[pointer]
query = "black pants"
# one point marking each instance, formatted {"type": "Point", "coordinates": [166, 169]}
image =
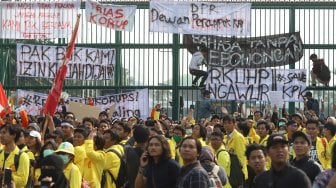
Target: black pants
{"type": "Point", "coordinates": [198, 74]}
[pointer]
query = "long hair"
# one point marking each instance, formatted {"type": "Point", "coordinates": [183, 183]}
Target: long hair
{"type": "Point", "coordinates": [166, 154]}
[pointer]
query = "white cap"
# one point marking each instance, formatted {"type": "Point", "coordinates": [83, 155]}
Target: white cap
{"type": "Point", "coordinates": [35, 134]}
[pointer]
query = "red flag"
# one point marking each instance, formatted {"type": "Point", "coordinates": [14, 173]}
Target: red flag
{"type": "Point", "coordinates": [4, 105]}
{"type": "Point", "coordinates": [56, 90]}
{"type": "Point", "coordinates": [71, 45]}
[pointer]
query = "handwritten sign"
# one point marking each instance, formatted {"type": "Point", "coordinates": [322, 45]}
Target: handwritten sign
{"type": "Point", "coordinates": [208, 18]}
{"type": "Point", "coordinates": [256, 84]}
{"type": "Point", "coordinates": [255, 52]}
{"type": "Point", "coordinates": [275, 98]}
{"type": "Point", "coordinates": [38, 20]}
{"type": "Point", "coordinates": [44, 61]}
{"type": "Point", "coordinates": [115, 17]}
{"type": "Point", "coordinates": [126, 105]}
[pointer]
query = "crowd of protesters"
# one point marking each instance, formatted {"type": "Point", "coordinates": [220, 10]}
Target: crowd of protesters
{"type": "Point", "coordinates": [274, 150]}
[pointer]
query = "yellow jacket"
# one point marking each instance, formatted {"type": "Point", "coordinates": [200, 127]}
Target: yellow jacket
{"type": "Point", "coordinates": [73, 175]}
{"type": "Point", "coordinates": [223, 160]}
{"type": "Point", "coordinates": [20, 175]}
{"type": "Point", "coordinates": [112, 164]}
{"type": "Point", "coordinates": [253, 134]}
{"type": "Point", "coordinates": [236, 145]}
{"type": "Point", "coordinates": [264, 143]}
{"type": "Point", "coordinates": [94, 170]}
{"type": "Point", "coordinates": [172, 146]}
{"type": "Point", "coordinates": [328, 152]}
{"type": "Point", "coordinates": [80, 156]}
{"type": "Point", "coordinates": [322, 153]}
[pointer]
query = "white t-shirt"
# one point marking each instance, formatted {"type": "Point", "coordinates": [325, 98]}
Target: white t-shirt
{"type": "Point", "coordinates": [196, 61]}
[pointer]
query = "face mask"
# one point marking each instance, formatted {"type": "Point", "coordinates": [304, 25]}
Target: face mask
{"type": "Point", "coordinates": [65, 158]}
{"type": "Point", "coordinates": [188, 131]}
{"type": "Point", "coordinates": [47, 152]}
{"type": "Point", "coordinates": [177, 138]}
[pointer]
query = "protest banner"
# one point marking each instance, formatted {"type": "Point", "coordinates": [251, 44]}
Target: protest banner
{"type": "Point", "coordinates": [117, 17]}
{"type": "Point", "coordinates": [82, 110]}
{"type": "Point", "coordinates": [255, 84]}
{"type": "Point", "coordinates": [126, 105]}
{"type": "Point", "coordinates": [38, 20]}
{"type": "Point", "coordinates": [33, 101]}
{"type": "Point", "coordinates": [44, 61]}
{"type": "Point", "coordinates": [292, 83]}
{"type": "Point", "coordinates": [275, 98]}
{"type": "Point", "coordinates": [253, 52]}
{"type": "Point", "coordinates": [208, 18]}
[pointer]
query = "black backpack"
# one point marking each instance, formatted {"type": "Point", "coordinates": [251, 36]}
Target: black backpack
{"type": "Point", "coordinates": [236, 177]}
{"type": "Point", "coordinates": [122, 180]}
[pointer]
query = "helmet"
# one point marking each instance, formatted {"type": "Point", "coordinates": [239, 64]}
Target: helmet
{"type": "Point", "coordinates": [66, 147]}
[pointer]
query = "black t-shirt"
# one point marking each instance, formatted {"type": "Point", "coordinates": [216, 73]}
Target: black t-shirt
{"type": "Point", "coordinates": [288, 177]}
{"type": "Point", "coordinates": [162, 175]}
{"type": "Point", "coordinates": [132, 162]}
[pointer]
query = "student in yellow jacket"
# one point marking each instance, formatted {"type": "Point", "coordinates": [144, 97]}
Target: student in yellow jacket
{"type": "Point", "coordinates": [199, 132]}
{"type": "Point", "coordinates": [80, 160]}
{"type": "Point", "coordinates": [263, 129]}
{"type": "Point", "coordinates": [94, 146]}
{"type": "Point", "coordinates": [329, 133]}
{"type": "Point", "coordinates": [222, 156]}
{"type": "Point", "coordinates": [235, 142]}
{"type": "Point", "coordinates": [178, 134]}
{"type": "Point", "coordinates": [319, 145]}
{"type": "Point", "coordinates": [8, 136]}
{"type": "Point", "coordinates": [72, 173]}
{"type": "Point", "coordinates": [123, 131]}
{"type": "Point", "coordinates": [112, 161]}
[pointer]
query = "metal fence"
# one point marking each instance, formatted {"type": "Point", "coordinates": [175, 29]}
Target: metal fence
{"type": "Point", "coordinates": [159, 61]}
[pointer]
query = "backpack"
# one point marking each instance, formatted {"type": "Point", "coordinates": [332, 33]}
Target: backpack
{"type": "Point", "coordinates": [30, 182]}
{"type": "Point", "coordinates": [214, 180]}
{"type": "Point", "coordinates": [122, 179]}
{"type": "Point", "coordinates": [236, 177]}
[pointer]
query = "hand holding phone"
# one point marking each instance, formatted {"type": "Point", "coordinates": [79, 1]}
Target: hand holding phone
{"type": "Point", "coordinates": [8, 177]}
{"type": "Point", "coordinates": [144, 159]}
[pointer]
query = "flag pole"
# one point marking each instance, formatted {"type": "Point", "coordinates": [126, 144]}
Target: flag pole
{"type": "Point", "coordinates": [55, 92]}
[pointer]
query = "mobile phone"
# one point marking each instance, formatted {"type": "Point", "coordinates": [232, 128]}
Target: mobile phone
{"type": "Point", "coordinates": [8, 177]}
{"type": "Point", "coordinates": [45, 184]}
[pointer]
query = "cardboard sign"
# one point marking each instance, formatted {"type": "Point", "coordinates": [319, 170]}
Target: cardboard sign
{"type": "Point", "coordinates": [82, 110]}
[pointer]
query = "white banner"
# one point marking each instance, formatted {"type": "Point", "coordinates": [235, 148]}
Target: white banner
{"type": "Point", "coordinates": [38, 20]}
{"type": "Point", "coordinates": [201, 18]}
{"type": "Point", "coordinates": [44, 61]}
{"type": "Point", "coordinates": [256, 84]}
{"type": "Point", "coordinates": [128, 104]}
{"type": "Point", "coordinates": [117, 17]}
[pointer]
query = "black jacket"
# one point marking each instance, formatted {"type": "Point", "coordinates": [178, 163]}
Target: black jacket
{"type": "Point", "coordinates": [288, 177]}
{"type": "Point", "coordinates": [309, 166]}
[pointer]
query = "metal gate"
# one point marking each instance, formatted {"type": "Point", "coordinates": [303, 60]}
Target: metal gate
{"type": "Point", "coordinates": [159, 61]}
